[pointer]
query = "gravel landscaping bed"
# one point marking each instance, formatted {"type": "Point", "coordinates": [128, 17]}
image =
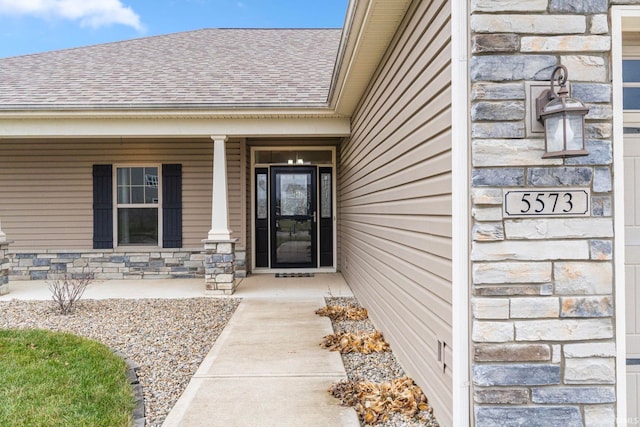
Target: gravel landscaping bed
{"type": "Point", "coordinates": [376, 367]}
{"type": "Point", "coordinates": [169, 338]}
{"type": "Point", "coordinates": [166, 338]}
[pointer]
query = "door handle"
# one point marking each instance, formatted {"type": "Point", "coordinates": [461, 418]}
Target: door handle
{"type": "Point", "coordinates": [314, 216]}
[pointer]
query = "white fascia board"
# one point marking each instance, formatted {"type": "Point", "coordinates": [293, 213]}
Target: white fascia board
{"type": "Point", "coordinates": [70, 127]}
{"type": "Point", "coordinates": [165, 112]}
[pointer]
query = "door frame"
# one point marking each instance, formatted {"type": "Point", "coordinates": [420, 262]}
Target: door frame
{"type": "Point", "coordinates": [254, 165]}
{"type": "Point", "coordinates": [312, 170]}
{"type": "Point", "coordinates": [618, 13]}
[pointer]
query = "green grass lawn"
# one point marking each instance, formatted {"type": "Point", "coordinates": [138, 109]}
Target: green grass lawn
{"type": "Point", "coordinates": [56, 379]}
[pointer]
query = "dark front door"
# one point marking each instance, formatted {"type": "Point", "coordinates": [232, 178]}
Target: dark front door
{"type": "Point", "coordinates": [293, 217]}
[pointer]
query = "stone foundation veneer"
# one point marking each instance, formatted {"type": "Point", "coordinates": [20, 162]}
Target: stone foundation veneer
{"type": "Point", "coordinates": [109, 264]}
{"type": "Point", "coordinates": [542, 294]}
{"type": "Point", "coordinates": [5, 267]}
{"type": "Point", "coordinates": [219, 267]}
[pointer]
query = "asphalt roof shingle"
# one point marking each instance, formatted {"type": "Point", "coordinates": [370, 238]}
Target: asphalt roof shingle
{"type": "Point", "coordinates": [220, 67]}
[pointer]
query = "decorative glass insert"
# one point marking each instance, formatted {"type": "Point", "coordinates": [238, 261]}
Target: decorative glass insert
{"type": "Point", "coordinates": [325, 195]}
{"type": "Point", "coordinates": [294, 194]}
{"type": "Point", "coordinates": [262, 204]}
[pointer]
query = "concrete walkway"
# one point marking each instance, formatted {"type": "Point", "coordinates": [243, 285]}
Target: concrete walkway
{"type": "Point", "coordinates": [266, 368]}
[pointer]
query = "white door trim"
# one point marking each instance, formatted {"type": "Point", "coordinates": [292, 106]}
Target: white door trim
{"type": "Point", "coordinates": [617, 15]}
{"type": "Point", "coordinates": [269, 270]}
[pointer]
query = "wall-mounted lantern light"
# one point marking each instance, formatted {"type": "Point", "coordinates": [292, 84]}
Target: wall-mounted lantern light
{"type": "Point", "coordinates": [562, 118]}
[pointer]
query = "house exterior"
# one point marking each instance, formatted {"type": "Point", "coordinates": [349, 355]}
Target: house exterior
{"type": "Point", "coordinates": [392, 151]}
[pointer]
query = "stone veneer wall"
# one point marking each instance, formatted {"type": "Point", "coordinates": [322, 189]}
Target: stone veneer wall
{"type": "Point", "coordinates": [156, 264]}
{"type": "Point", "coordinates": [542, 292]}
{"type": "Point", "coordinates": [5, 265]}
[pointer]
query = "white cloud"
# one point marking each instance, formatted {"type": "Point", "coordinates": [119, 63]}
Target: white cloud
{"type": "Point", "coordinates": [91, 13]}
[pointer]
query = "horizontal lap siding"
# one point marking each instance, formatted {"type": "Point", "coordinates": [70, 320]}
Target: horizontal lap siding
{"type": "Point", "coordinates": [234, 172]}
{"type": "Point", "coordinates": [395, 200]}
{"type": "Point", "coordinates": [46, 187]}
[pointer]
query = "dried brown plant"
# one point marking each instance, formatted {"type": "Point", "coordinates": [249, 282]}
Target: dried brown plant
{"type": "Point", "coordinates": [374, 402]}
{"type": "Point", "coordinates": [366, 343]}
{"type": "Point", "coordinates": [339, 312]}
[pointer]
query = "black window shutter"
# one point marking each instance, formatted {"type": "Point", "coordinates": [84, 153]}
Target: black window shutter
{"type": "Point", "coordinates": [102, 207]}
{"type": "Point", "coordinates": [172, 206]}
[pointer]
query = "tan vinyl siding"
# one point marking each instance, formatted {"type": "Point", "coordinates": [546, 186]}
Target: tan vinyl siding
{"type": "Point", "coordinates": [235, 194]}
{"type": "Point", "coordinates": [46, 187]}
{"type": "Point", "coordinates": [249, 206]}
{"type": "Point", "coordinates": [395, 200]}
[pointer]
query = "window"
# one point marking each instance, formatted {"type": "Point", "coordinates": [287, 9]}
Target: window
{"type": "Point", "coordinates": [137, 205]}
{"type": "Point", "coordinates": [136, 212]}
{"type": "Point", "coordinates": [631, 84]}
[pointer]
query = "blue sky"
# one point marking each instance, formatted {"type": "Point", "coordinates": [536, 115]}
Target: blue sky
{"type": "Point", "coordinates": [32, 26]}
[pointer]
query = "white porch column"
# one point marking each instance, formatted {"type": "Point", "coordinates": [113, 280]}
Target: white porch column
{"type": "Point", "coordinates": [219, 201]}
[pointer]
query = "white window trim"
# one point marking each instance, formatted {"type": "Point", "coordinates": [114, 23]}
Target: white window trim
{"type": "Point", "coordinates": [116, 205]}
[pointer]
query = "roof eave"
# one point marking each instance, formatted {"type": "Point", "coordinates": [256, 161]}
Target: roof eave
{"type": "Point", "coordinates": [369, 28]}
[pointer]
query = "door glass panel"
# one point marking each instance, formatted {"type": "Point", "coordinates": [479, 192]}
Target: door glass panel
{"type": "Point", "coordinates": [294, 194]}
{"type": "Point", "coordinates": [293, 241]}
{"type": "Point", "coordinates": [261, 189]}
{"type": "Point", "coordinates": [303, 157]}
{"type": "Point", "coordinates": [294, 218]}
{"type": "Point", "coordinates": [325, 195]}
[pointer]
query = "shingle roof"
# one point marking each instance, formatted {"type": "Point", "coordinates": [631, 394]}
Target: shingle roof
{"type": "Point", "coordinates": [210, 67]}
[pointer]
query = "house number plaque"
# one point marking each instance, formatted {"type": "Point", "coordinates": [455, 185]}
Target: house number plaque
{"type": "Point", "coordinates": [546, 203]}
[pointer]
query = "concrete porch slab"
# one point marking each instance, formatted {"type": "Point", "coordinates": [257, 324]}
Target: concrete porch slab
{"type": "Point", "coordinates": [254, 286]}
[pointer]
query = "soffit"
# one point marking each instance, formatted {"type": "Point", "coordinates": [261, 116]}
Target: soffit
{"type": "Point", "coordinates": [371, 25]}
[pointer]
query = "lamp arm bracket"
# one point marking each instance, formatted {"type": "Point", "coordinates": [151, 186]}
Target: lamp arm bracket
{"type": "Point", "coordinates": [559, 75]}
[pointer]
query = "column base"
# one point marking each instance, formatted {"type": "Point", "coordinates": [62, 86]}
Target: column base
{"type": "Point", "coordinates": [219, 267]}
{"type": "Point", "coordinates": [5, 266]}
{"type": "Point", "coordinates": [216, 289]}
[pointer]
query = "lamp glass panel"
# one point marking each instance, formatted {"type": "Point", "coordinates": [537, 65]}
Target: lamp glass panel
{"type": "Point", "coordinates": [574, 129]}
{"type": "Point", "coordinates": [554, 133]}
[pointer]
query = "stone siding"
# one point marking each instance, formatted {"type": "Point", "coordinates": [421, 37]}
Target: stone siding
{"type": "Point", "coordinates": [104, 265]}
{"type": "Point", "coordinates": [5, 266]}
{"type": "Point", "coordinates": [219, 267]}
{"type": "Point", "coordinates": [542, 291]}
